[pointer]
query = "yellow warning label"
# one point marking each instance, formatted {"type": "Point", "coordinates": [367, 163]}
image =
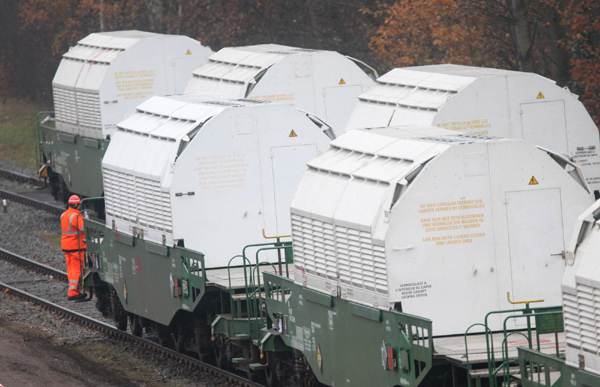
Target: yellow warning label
{"type": "Point", "coordinates": [319, 357]}
{"type": "Point", "coordinates": [342, 82]}
{"type": "Point", "coordinates": [533, 181]}
{"type": "Point", "coordinates": [293, 134]}
{"type": "Point", "coordinates": [540, 95]}
{"type": "Point", "coordinates": [188, 52]}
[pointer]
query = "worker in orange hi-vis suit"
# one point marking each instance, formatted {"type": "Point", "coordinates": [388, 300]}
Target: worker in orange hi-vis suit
{"type": "Point", "coordinates": [73, 244]}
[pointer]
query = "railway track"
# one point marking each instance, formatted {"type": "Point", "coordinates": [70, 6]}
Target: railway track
{"type": "Point", "coordinates": [33, 265]}
{"type": "Point", "coordinates": [78, 312]}
{"type": "Point", "coordinates": [20, 177]}
{"type": "Point", "coordinates": [32, 198]}
{"type": "Point", "coordinates": [83, 313]}
{"type": "Point", "coordinates": [31, 202]}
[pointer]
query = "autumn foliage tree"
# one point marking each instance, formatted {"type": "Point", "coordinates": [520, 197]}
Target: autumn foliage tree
{"type": "Point", "coordinates": [428, 32]}
{"type": "Point", "coordinates": [35, 33]}
{"type": "Point", "coordinates": [582, 23]}
{"type": "Point", "coordinates": [556, 38]}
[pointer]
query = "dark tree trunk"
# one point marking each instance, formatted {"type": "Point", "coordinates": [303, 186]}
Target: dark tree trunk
{"type": "Point", "coordinates": [522, 35]}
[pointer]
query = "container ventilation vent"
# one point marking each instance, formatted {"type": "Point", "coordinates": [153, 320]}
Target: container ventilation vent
{"type": "Point", "coordinates": [77, 108]}
{"type": "Point", "coordinates": [407, 96]}
{"type": "Point", "coordinates": [314, 246]}
{"type": "Point", "coordinates": [361, 263]}
{"type": "Point", "coordinates": [304, 50]}
{"type": "Point", "coordinates": [137, 200]}
{"type": "Point", "coordinates": [444, 140]}
{"type": "Point", "coordinates": [325, 250]}
{"type": "Point", "coordinates": [88, 110]}
{"type": "Point", "coordinates": [276, 52]}
{"type": "Point", "coordinates": [475, 136]}
{"type": "Point", "coordinates": [64, 105]}
{"type": "Point", "coordinates": [581, 313]}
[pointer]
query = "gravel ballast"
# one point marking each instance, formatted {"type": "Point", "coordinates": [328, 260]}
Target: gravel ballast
{"type": "Point", "coordinates": [36, 235]}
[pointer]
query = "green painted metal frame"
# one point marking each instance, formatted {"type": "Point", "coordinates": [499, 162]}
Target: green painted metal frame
{"type": "Point", "coordinates": [252, 324]}
{"type": "Point", "coordinates": [143, 273]}
{"type": "Point", "coordinates": [526, 313]}
{"type": "Point", "coordinates": [533, 364]}
{"type": "Point", "coordinates": [37, 135]}
{"type": "Point", "coordinates": [530, 360]}
{"type": "Point", "coordinates": [345, 343]}
{"type": "Point", "coordinates": [81, 157]}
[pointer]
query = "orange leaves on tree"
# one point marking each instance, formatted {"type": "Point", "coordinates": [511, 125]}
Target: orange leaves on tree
{"type": "Point", "coordinates": [426, 32]}
{"type": "Point", "coordinates": [582, 22]}
{"type": "Point", "coordinates": [559, 39]}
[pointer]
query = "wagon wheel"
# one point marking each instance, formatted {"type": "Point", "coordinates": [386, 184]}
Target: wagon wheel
{"type": "Point", "coordinates": [64, 190]}
{"type": "Point", "coordinates": [164, 336]}
{"type": "Point", "coordinates": [135, 325]}
{"type": "Point", "coordinates": [220, 356]}
{"type": "Point", "coordinates": [202, 336]}
{"type": "Point", "coordinates": [274, 372]}
{"type": "Point", "coordinates": [103, 303]}
{"type": "Point", "coordinates": [54, 185]}
{"type": "Point", "coordinates": [119, 314]}
{"type": "Point", "coordinates": [179, 337]}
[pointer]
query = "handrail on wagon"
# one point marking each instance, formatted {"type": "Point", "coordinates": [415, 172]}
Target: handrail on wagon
{"type": "Point", "coordinates": [37, 135]}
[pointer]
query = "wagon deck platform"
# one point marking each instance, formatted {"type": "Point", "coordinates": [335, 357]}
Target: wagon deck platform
{"type": "Point", "coordinates": [220, 277]}
{"type": "Point", "coordinates": [452, 350]}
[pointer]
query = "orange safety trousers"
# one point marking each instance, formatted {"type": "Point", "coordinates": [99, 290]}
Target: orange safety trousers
{"type": "Point", "coordinates": [74, 265]}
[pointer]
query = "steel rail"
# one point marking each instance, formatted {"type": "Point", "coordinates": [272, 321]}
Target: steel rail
{"type": "Point", "coordinates": [122, 335]}
{"type": "Point", "coordinates": [30, 202]}
{"type": "Point", "coordinates": [101, 326]}
{"type": "Point", "coordinates": [29, 264]}
{"type": "Point", "coordinates": [20, 177]}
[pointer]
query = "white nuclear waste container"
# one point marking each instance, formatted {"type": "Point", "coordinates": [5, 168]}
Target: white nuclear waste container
{"type": "Point", "coordinates": [208, 171]}
{"type": "Point", "coordinates": [438, 223]}
{"type": "Point", "coordinates": [485, 101]}
{"type": "Point", "coordinates": [581, 286]}
{"type": "Point", "coordinates": [102, 78]}
{"type": "Point", "coordinates": [323, 83]}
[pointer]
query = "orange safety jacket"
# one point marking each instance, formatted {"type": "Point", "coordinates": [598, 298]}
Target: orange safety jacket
{"type": "Point", "coordinates": [73, 236]}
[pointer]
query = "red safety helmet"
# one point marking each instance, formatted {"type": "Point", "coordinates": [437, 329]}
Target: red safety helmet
{"type": "Point", "coordinates": [74, 199]}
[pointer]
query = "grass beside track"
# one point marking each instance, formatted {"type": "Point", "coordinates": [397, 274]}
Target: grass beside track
{"type": "Point", "coordinates": [51, 239]}
{"type": "Point", "coordinates": [17, 120]}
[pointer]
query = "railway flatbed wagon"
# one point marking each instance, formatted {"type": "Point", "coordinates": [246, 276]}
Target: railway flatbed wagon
{"type": "Point", "coordinates": [415, 218]}
{"type": "Point", "coordinates": [394, 230]}
{"type": "Point", "coordinates": [189, 180]}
